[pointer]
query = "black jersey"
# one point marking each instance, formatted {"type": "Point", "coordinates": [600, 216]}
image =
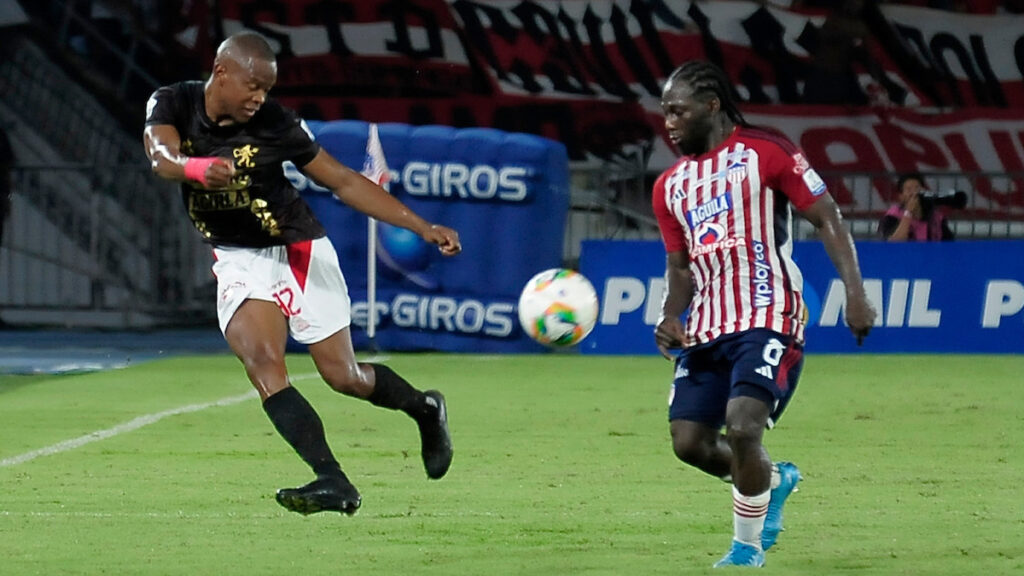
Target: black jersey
{"type": "Point", "coordinates": [260, 207]}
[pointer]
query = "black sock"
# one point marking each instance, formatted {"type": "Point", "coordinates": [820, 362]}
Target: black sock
{"type": "Point", "coordinates": [392, 391]}
{"type": "Point", "coordinates": [299, 424]}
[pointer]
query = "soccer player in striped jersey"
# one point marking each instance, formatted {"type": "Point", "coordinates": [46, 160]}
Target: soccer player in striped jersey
{"type": "Point", "coordinates": [725, 214]}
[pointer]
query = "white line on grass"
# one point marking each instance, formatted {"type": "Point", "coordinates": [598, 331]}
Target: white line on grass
{"type": "Point", "coordinates": [183, 514]}
{"type": "Point", "coordinates": [131, 425]}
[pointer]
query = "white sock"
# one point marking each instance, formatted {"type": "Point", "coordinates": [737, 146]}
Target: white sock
{"type": "Point", "coordinates": [776, 477]}
{"type": "Point", "coordinates": [748, 514]}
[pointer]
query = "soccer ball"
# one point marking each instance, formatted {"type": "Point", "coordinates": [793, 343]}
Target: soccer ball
{"type": "Point", "coordinates": [558, 307]}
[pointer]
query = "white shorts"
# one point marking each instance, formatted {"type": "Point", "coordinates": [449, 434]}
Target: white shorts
{"type": "Point", "coordinates": [303, 279]}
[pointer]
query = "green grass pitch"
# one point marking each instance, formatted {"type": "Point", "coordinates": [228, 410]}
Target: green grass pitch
{"type": "Point", "coordinates": [912, 465]}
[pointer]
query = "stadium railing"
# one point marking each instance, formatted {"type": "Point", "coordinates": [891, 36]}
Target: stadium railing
{"type": "Point", "coordinates": [610, 203]}
{"type": "Point", "coordinates": [79, 251]}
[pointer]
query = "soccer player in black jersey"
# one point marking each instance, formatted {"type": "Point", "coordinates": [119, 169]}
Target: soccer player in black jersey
{"type": "Point", "coordinates": [277, 272]}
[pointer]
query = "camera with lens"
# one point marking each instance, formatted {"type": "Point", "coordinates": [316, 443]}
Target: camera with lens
{"type": "Point", "coordinates": [956, 199]}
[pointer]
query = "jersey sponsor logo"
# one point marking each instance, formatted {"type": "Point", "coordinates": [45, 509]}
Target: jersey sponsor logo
{"type": "Point", "coordinates": [762, 277]}
{"type": "Point", "coordinates": [215, 200]}
{"type": "Point", "coordinates": [709, 210]}
{"type": "Point", "coordinates": [814, 182]}
{"type": "Point", "coordinates": [765, 371]}
{"type": "Point", "coordinates": [710, 238]}
{"type": "Point", "coordinates": [707, 233]}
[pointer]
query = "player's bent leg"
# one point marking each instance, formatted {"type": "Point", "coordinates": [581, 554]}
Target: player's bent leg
{"type": "Point", "coordinates": [335, 360]}
{"type": "Point", "coordinates": [751, 473]}
{"type": "Point", "coordinates": [257, 333]}
{"type": "Point", "coordinates": [745, 421]}
{"type": "Point", "coordinates": [701, 446]}
{"type": "Point", "coordinates": [380, 385]}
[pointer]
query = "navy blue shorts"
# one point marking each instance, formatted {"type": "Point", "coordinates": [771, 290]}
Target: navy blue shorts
{"type": "Point", "coordinates": [759, 363]}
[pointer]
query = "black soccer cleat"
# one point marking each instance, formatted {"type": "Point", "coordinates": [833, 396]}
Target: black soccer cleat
{"type": "Point", "coordinates": [435, 439]}
{"type": "Point", "coordinates": [330, 493]}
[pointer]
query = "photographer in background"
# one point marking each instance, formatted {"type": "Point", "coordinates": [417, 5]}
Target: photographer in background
{"type": "Point", "coordinates": [915, 218]}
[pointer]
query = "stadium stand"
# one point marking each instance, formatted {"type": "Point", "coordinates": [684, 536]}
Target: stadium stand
{"type": "Point", "coordinates": [97, 241]}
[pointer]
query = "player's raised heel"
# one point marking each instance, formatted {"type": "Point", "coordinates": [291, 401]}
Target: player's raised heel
{"type": "Point", "coordinates": [741, 554]}
{"type": "Point", "coordinates": [789, 476]}
{"type": "Point", "coordinates": [332, 493]}
{"type": "Point", "coordinates": [435, 439]}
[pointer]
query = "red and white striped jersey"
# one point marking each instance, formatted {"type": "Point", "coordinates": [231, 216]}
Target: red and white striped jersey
{"type": "Point", "coordinates": [730, 210]}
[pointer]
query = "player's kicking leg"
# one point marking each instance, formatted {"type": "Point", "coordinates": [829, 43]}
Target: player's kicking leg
{"type": "Point", "coordinates": [257, 334]}
{"type": "Point", "coordinates": [435, 440]}
{"type": "Point", "coordinates": [382, 386]}
{"type": "Point", "coordinates": [428, 409]}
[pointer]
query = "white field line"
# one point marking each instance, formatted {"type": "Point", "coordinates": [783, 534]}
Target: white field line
{"type": "Point", "coordinates": [256, 515]}
{"type": "Point", "coordinates": [132, 425]}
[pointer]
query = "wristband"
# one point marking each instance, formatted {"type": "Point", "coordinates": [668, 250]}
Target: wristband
{"type": "Point", "coordinates": [908, 214]}
{"type": "Point", "coordinates": [195, 168]}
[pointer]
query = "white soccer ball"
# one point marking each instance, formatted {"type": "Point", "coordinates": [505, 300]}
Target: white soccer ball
{"type": "Point", "coordinates": [558, 307]}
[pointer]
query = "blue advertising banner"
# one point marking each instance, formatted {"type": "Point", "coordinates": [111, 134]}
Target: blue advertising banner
{"type": "Point", "coordinates": [506, 194]}
{"type": "Point", "coordinates": [940, 297]}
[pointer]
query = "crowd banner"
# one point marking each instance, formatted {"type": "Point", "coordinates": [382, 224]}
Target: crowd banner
{"type": "Point", "coordinates": [965, 297]}
{"type": "Point", "coordinates": [506, 194]}
{"type": "Point", "coordinates": [588, 73]}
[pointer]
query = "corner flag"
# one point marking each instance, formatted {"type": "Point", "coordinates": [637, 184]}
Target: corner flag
{"type": "Point", "coordinates": [375, 168]}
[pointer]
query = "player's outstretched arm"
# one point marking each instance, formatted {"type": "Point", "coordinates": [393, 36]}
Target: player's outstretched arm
{"type": "Point", "coordinates": [163, 147]}
{"type": "Point", "coordinates": [358, 192]}
{"type": "Point", "coordinates": [668, 334]}
{"type": "Point", "coordinates": [824, 215]}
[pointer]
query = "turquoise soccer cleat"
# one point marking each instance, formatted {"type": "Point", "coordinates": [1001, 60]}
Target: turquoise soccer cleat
{"type": "Point", "coordinates": [742, 555]}
{"type": "Point", "coordinates": [790, 476]}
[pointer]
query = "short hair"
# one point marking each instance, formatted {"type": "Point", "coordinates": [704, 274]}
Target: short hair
{"type": "Point", "coordinates": [904, 178]}
{"type": "Point", "coordinates": [246, 43]}
{"type": "Point", "coordinates": [704, 77]}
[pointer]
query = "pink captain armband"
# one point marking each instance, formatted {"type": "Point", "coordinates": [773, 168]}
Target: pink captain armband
{"type": "Point", "coordinates": [195, 168]}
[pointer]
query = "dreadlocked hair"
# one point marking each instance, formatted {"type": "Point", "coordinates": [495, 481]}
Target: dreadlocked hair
{"type": "Point", "coordinates": [704, 77]}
